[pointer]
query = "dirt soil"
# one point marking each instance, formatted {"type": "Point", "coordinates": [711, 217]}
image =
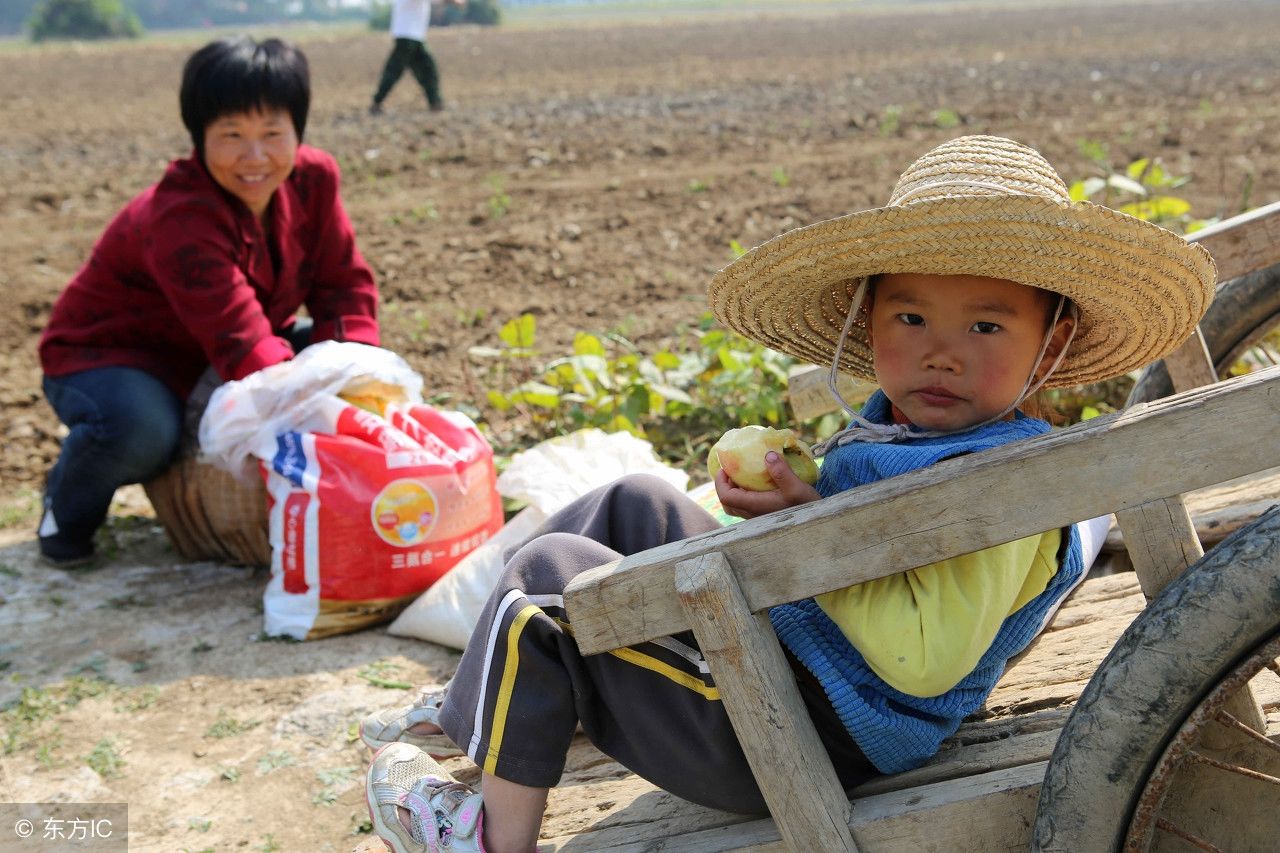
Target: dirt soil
{"type": "Point", "coordinates": [591, 175]}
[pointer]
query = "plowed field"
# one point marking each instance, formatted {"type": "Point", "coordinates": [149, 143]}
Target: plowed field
{"type": "Point", "coordinates": [593, 175]}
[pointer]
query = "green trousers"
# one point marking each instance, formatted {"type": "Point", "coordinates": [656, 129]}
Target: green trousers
{"type": "Point", "coordinates": [412, 54]}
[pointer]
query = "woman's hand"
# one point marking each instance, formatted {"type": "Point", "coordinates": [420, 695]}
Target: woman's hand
{"type": "Point", "coordinates": [744, 503]}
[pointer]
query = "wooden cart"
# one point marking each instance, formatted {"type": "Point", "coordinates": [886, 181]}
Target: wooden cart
{"type": "Point", "coordinates": [1165, 745]}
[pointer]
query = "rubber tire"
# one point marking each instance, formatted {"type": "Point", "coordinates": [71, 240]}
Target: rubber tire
{"type": "Point", "coordinates": [1187, 640]}
{"type": "Point", "coordinates": [1240, 309]}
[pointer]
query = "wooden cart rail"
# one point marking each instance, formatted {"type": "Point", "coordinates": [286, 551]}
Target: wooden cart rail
{"type": "Point", "coordinates": [1119, 461]}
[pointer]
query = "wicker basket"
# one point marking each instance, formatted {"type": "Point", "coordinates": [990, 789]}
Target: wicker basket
{"type": "Point", "coordinates": [210, 515]}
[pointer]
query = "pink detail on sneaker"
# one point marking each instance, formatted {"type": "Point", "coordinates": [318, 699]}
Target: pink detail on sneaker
{"type": "Point", "coordinates": [480, 830]}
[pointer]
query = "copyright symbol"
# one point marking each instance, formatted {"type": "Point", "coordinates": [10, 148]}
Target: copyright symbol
{"type": "Point", "coordinates": [23, 828]}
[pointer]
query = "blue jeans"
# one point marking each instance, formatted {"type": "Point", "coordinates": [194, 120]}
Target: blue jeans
{"type": "Point", "coordinates": [125, 427]}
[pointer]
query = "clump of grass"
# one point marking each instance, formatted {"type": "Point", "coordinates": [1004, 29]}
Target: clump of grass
{"type": "Point", "coordinates": [20, 718]}
{"type": "Point", "coordinates": [274, 760]}
{"type": "Point", "coordinates": [228, 726]}
{"type": "Point", "coordinates": [105, 759]}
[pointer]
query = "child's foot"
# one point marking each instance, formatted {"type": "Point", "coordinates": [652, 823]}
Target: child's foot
{"type": "Point", "coordinates": [417, 724]}
{"type": "Point", "coordinates": [417, 807]}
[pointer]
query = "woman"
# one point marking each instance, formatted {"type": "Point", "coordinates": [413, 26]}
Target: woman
{"type": "Point", "coordinates": [205, 268]}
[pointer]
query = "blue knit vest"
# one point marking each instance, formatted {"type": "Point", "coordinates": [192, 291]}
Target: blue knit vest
{"type": "Point", "coordinates": [895, 730]}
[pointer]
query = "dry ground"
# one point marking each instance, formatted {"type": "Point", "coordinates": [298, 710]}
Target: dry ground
{"type": "Point", "coordinates": [629, 156]}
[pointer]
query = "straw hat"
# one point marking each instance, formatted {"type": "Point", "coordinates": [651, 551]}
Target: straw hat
{"type": "Point", "coordinates": [977, 205]}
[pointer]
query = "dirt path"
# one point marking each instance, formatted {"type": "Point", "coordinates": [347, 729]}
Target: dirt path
{"type": "Point", "coordinates": [629, 157]}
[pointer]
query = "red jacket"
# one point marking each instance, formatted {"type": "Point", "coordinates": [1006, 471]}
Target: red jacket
{"type": "Point", "coordinates": [183, 278]}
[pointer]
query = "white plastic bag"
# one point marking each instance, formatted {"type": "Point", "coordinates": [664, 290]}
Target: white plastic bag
{"type": "Point", "coordinates": [244, 417]}
{"type": "Point", "coordinates": [546, 477]}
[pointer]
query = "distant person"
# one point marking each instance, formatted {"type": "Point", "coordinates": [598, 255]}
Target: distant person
{"type": "Point", "coordinates": [205, 268]}
{"type": "Point", "coordinates": [409, 22]}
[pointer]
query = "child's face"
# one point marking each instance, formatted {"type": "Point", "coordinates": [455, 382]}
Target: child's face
{"type": "Point", "coordinates": [952, 351]}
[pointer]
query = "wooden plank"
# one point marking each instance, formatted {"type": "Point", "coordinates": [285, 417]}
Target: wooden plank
{"type": "Point", "coordinates": [810, 397]}
{"type": "Point", "coordinates": [954, 507]}
{"type": "Point", "coordinates": [1162, 541]}
{"type": "Point", "coordinates": [987, 813]}
{"type": "Point", "coordinates": [1221, 509]}
{"type": "Point", "coordinates": [1243, 243]}
{"type": "Point", "coordinates": [759, 693]}
{"type": "Point", "coordinates": [1190, 365]}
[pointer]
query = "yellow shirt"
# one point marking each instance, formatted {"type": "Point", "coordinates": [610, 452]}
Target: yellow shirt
{"type": "Point", "coordinates": [925, 629]}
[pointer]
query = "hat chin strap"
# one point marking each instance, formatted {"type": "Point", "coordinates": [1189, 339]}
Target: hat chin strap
{"type": "Point", "coordinates": [864, 430]}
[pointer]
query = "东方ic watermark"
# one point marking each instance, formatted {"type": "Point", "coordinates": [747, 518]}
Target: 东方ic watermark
{"type": "Point", "coordinates": [64, 827]}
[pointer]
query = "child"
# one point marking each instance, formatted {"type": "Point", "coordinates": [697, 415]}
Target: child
{"type": "Point", "coordinates": [979, 282]}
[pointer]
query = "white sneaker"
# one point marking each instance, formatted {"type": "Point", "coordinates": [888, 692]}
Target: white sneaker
{"type": "Point", "coordinates": [445, 816]}
{"type": "Point", "coordinates": [392, 726]}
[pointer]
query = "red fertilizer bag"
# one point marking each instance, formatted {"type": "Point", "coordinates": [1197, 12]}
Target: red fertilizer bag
{"type": "Point", "coordinates": [366, 507]}
{"type": "Point", "coordinates": [362, 520]}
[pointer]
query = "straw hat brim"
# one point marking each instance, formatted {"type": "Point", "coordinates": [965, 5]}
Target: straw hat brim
{"type": "Point", "coordinates": [1140, 288]}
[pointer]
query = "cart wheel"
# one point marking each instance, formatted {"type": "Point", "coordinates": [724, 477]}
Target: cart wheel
{"type": "Point", "coordinates": [1243, 312]}
{"type": "Point", "coordinates": [1140, 761]}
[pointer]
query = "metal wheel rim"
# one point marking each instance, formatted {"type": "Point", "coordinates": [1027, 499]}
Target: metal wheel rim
{"type": "Point", "coordinates": [1252, 342]}
{"type": "Point", "coordinates": [1146, 817]}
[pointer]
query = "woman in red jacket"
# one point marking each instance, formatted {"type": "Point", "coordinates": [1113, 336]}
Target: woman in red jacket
{"type": "Point", "coordinates": [208, 267]}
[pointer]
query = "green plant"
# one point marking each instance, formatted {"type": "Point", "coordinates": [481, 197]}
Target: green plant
{"type": "Point", "coordinates": [22, 507]}
{"type": "Point", "coordinates": [680, 398]}
{"type": "Point", "coordinates": [698, 186]}
{"type": "Point", "coordinates": [83, 19]}
{"type": "Point", "coordinates": [499, 201]}
{"type": "Point", "coordinates": [890, 120]}
{"type": "Point", "coordinates": [946, 119]}
{"type": "Point", "coordinates": [22, 716]}
{"type": "Point", "coordinates": [780, 177]}
{"type": "Point", "coordinates": [334, 780]}
{"type": "Point", "coordinates": [1141, 189]}
{"type": "Point", "coordinates": [45, 752]}
{"type": "Point", "coordinates": [105, 759]}
{"type": "Point", "coordinates": [274, 760]}
{"type": "Point", "coordinates": [140, 699]}
{"type": "Point", "coordinates": [378, 672]}
{"type": "Point", "coordinates": [200, 824]}
{"type": "Point", "coordinates": [228, 726]}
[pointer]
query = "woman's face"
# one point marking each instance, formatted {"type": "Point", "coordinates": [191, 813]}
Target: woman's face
{"type": "Point", "coordinates": [250, 154]}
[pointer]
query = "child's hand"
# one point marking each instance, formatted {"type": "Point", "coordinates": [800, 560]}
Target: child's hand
{"type": "Point", "coordinates": [744, 503]}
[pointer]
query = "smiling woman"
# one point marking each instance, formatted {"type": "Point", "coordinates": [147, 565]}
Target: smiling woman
{"type": "Point", "coordinates": [250, 155]}
{"type": "Point", "coordinates": [204, 269]}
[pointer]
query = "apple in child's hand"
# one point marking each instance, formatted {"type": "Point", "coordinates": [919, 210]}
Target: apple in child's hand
{"type": "Point", "coordinates": [741, 452]}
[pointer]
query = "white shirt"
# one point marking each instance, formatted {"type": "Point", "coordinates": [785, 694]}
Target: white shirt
{"type": "Point", "coordinates": [409, 19]}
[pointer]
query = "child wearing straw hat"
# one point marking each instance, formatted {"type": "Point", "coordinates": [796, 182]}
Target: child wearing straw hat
{"type": "Point", "coordinates": [978, 283]}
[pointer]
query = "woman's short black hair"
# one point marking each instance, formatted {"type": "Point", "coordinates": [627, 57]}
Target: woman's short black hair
{"type": "Point", "coordinates": [239, 74]}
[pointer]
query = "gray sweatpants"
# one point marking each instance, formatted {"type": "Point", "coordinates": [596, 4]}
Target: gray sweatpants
{"type": "Point", "coordinates": [522, 687]}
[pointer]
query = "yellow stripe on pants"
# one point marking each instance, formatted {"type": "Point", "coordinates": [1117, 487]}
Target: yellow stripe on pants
{"type": "Point", "coordinates": [508, 682]}
{"type": "Point", "coordinates": [668, 671]}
